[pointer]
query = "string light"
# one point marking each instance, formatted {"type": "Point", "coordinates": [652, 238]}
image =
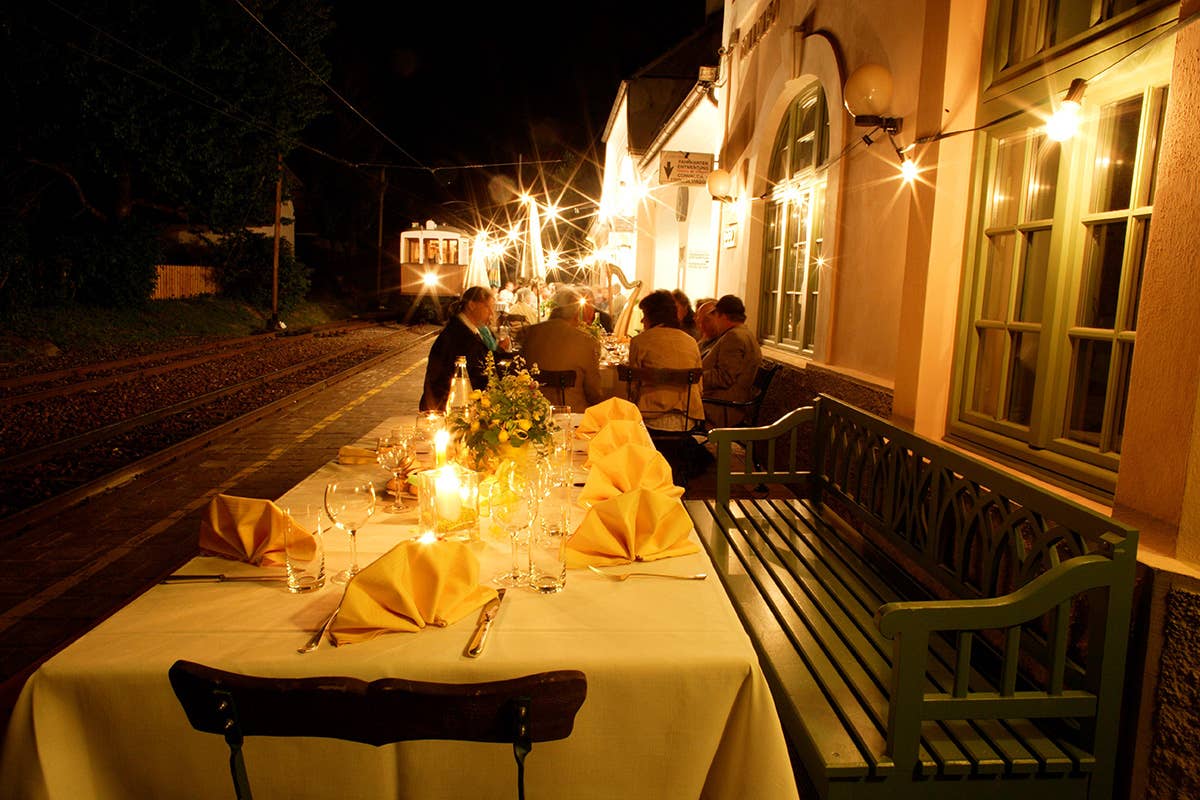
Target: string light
{"type": "Point", "coordinates": [1064, 122]}
{"type": "Point", "coordinates": [908, 170]}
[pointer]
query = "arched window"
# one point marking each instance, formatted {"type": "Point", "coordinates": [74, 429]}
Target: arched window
{"type": "Point", "coordinates": [792, 253]}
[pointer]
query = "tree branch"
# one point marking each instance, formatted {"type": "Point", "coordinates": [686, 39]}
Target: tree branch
{"type": "Point", "coordinates": [61, 170]}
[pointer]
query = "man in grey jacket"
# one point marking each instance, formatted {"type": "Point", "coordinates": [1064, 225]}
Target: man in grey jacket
{"type": "Point", "coordinates": [559, 344]}
{"type": "Point", "coordinates": [732, 361]}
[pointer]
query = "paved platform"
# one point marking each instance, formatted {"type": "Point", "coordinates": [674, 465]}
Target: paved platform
{"type": "Point", "coordinates": [62, 577]}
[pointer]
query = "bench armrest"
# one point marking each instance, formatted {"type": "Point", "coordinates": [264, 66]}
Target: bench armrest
{"type": "Point", "coordinates": [1051, 588]}
{"type": "Point", "coordinates": [781, 443]}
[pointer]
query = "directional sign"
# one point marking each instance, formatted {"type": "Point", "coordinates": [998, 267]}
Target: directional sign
{"type": "Point", "coordinates": [686, 169]}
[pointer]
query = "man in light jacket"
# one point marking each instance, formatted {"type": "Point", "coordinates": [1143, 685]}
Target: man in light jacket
{"type": "Point", "coordinates": [559, 344]}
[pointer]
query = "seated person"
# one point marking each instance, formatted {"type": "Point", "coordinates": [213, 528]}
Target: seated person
{"type": "Point", "coordinates": [592, 314]}
{"type": "Point", "coordinates": [687, 317]}
{"type": "Point", "coordinates": [662, 344]}
{"type": "Point", "coordinates": [708, 333]}
{"type": "Point", "coordinates": [463, 335]}
{"type": "Point", "coordinates": [524, 307]}
{"type": "Point", "coordinates": [732, 362]}
{"type": "Point", "coordinates": [559, 344]}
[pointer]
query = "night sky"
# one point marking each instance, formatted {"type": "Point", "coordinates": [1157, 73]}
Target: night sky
{"type": "Point", "coordinates": [455, 84]}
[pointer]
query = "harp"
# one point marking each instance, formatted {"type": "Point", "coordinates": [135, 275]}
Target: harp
{"type": "Point", "coordinates": [621, 324]}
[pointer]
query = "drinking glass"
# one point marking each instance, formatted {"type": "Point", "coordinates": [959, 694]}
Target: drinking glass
{"type": "Point", "coordinates": [515, 507]}
{"type": "Point", "coordinates": [561, 454]}
{"type": "Point", "coordinates": [304, 552]}
{"type": "Point", "coordinates": [350, 505]}
{"type": "Point", "coordinates": [547, 543]}
{"type": "Point", "coordinates": [394, 456]}
{"type": "Point", "coordinates": [428, 423]}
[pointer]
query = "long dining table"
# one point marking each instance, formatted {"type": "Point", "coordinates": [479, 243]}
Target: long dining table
{"type": "Point", "coordinates": [677, 706]}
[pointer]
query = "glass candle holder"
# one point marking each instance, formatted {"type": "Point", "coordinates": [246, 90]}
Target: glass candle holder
{"type": "Point", "coordinates": [448, 502]}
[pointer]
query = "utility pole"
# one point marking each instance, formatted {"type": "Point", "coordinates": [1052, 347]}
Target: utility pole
{"type": "Point", "coordinates": [379, 243]}
{"type": "Point", "coordinates": [275, 324]}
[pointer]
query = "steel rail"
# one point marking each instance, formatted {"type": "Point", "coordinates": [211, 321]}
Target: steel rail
{"type": "Point", "coordinates": [17, 521]}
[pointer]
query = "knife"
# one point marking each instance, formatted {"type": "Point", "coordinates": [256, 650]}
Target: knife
{"type": "Point", "coordinates": [221, 578]}
{"type": "Point", "coordinates": [486, 617]}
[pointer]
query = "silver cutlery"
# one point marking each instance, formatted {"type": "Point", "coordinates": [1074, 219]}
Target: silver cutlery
{"type": "Point", "coordinates": [222, 578]}
{"type": "Point", "coordinates": [624, 576]}
{"type": "Point", "coordinates": [315, 640]}
{"type": "Point", "coordinates": [486, 617]}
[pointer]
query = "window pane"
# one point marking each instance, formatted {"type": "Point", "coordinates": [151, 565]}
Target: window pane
{"type": "Point", "coordinates": [1116, 149]}
{"type": "Point", "coordinates": [776, 173]}
{"type": "Point", "coordinates": [802, 150]}
{"type": "Point", "coordinates": [771, 256]}
{"type": "Point", "coordinates": [1010, 156]}
{"type": "Point", "coordinates": [1124, 363]}
{"type": "Point", "coordinates": [988, 366]}
{"type": "Point", "coordinates": [1032, 293]}
{"type": "Point", "coordinates": [996, 278]}
{"type": "Point", "coordinates": [1102, 275]}
{"type": "Point", "coordinates": [814, 289]}
{"type": "Point", "coordinates": [1089, 385]}
{"type": "Point", "coordinates": [1068, 18]}
{"type": "Point", "coordinates": [1021, 377]}
{"type": "Point", "coordinates": [1155, 146]}
{"type": "Point", "coordinates": [1043, 179]}
{"type": "Point", "coordinates": [1135, 301]}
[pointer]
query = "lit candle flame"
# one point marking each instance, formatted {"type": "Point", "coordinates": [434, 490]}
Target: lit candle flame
{"type": "Point", "coordinates": [441, 440]}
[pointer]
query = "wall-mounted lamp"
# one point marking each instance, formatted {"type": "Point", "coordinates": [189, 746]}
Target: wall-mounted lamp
{"type": "Point", "coordinates": [1064, 122]}
{"type": "Point", "coordinates": [719, 184]}
{"type": "Point", "coordinates": [868, 97]}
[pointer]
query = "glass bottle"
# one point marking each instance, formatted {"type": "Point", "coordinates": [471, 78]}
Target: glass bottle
{"type": "Point", "coordinates": [460, 389]}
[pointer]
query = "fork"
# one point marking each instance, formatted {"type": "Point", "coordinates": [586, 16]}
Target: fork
{"type": "Point", "coordinates": [319, 635]}
{"type": "Point", "coordinates": [624, 576]}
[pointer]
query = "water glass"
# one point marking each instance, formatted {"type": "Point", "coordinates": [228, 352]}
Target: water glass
{"type": "Point", "coordinates": [547, 544]}
{"type": "Point", "coordinates": [304, 551]}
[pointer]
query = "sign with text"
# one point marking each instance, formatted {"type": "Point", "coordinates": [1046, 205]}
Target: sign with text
{"type": "Point", "coordinates": [729, 235]}
{"type": "Point", "coordinates": [687, 169]}
{"type": "Point", "coordinates": [699, 259]}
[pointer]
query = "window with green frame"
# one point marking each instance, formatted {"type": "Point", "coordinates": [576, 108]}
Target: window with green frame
{"type": "Point", "coordinates": [1029, 28]}
{"type": "Point", "coordinates": [1057, 272]}
{"type": "Point", "coordinates": [795, 208]}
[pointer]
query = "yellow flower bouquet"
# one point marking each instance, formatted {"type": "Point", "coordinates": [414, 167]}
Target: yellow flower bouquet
{"type": "Point", "coordinates": [508, 418]}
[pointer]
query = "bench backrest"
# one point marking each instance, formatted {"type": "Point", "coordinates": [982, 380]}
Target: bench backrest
{"type": "Point", "coordinates": [980, 531]}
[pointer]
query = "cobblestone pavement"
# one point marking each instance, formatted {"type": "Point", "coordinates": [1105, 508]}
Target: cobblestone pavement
{"type": "Point", "coordinates": [62, 577]}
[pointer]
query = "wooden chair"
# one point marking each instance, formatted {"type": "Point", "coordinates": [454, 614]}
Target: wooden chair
{"type": "Point", "coordinates": [520, 711]}
{"type": "Point", "coordinates": [560, 379]}
{"type": "Point", "coordinates": [680, 448]}
{"type": "Point", "coordinates": [762, 381]}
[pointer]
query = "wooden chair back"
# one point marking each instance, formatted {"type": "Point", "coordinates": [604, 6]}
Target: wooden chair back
{"type": "Point", "coordinates": [560, 379]}
{"type": "Point", "coordinates": [519, 711]}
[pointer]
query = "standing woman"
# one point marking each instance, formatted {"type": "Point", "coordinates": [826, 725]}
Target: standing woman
{"type": "Point", "coordinates": [466, 334]}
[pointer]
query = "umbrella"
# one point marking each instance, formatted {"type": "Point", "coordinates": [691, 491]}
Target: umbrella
{"type": "Point", "coordinates": [533, 263]}
{"type": "Point", "coordinates": [477, 270]}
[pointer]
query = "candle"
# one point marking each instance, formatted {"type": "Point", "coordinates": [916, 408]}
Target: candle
{"type": "Point", "coordinates": [448, 495]}
{"type": "Point", "coordinates": [441, 440]}
{"type": "Point", "coordinates": [428, 537]}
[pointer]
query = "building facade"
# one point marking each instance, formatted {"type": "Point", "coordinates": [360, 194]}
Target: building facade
{"type": "Point", "coordinates": [1026, 293]}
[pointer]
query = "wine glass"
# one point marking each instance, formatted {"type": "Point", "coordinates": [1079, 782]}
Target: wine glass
{"type": "Point", "coordinates": [350, 505]}
{"type": "Point", "coordinates": [394, 456]}
{"type": "Point", "coordinates": [515, 506]}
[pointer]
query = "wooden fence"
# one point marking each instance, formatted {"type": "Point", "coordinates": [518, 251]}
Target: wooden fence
{"type": "Point", "coordinates": [184, 280]}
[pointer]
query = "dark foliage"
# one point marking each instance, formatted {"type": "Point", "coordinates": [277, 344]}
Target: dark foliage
{"type": "Point", "coordinates": [243, 262]}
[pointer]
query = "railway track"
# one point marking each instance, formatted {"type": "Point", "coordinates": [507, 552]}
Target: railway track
{"type": "Point", "coordinates": [138, 424]}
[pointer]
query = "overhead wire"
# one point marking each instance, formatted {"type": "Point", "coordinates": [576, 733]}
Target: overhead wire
{"type": "Point", "coordinates": [332, 90]}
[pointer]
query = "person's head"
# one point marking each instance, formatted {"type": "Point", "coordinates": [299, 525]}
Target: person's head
{"type": "Point", "coordinates": [509, 285]}
{"type": "Point", "coordinates": [525, 295]}
{"type": "Point", "coordinates": [728, 312]}
{"type": "Point", "coordinates": [565, 305]}
{"type": "Point", "coordinates": [704, 318]}
{"type": "Point", "coordinates": [587, 304]}
{"type": "Point", "coordinates": [658, 310]}
{"type": "Point", "coordinates": [683, 308]}
{"type": "Point", "coordinates": [477, 304]}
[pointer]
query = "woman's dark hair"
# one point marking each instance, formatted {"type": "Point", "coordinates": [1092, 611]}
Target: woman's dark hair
{"type": "Point", "coordinates": [658, 310]}
{"type": "Point", "coordinates": [475, 294]}
{"type": "Point", "coordinates": [681, 299]}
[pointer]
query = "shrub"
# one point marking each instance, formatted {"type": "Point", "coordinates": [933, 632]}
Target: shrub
{"type": "Point", "coordinates": [243, 266]}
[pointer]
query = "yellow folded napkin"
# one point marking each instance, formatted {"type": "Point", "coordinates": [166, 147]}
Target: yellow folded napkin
{"type": "Point", "coordinates": [628, 467]}
{"type": "Point", "coordinates": [412, 585]}
{"type": "Point", "coordinates": [245, 529]}
{"type": "Point", "coordinates": [597, 416]}
{"type": "Point", "coordinates": [615, 434]}
{"type": "Point", "coordinates": [641, 525]}
{"type": "Point", "coordinates": [349, 454]}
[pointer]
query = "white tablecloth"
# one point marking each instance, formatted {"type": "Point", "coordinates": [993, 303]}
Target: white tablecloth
{"type": "Point", "coordinates": [676, 707]}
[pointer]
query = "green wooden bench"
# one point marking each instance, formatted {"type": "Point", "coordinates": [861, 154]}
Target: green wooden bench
{"type": "Point", "coordinates": [931, 627]}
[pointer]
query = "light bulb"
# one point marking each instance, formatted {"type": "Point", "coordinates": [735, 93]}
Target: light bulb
{"type": "Point", "coordinates": [1064, 122]}
{"type": "Point", "coordinates": [908, 170]}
